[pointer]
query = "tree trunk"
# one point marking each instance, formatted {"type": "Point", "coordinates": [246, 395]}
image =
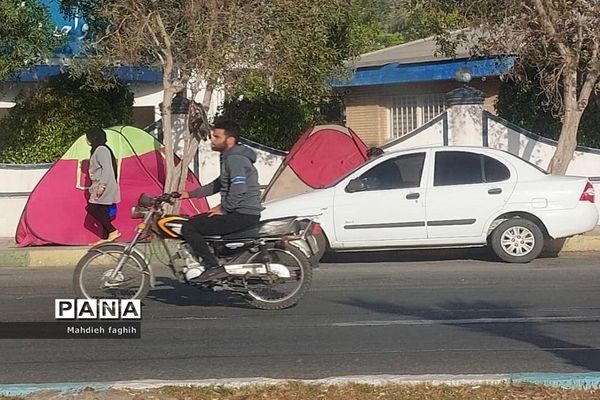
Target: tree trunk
{"type": "Point", "coordinates": [191, 144]}
{"type": "Point", "coordinates": [168, 93]}
{"type": "Point", "coordinates": [567, 142]}
{"type": "Point", "coordinates": [167, 126]}
{"type": "Point", "coordinates": [207, 97]}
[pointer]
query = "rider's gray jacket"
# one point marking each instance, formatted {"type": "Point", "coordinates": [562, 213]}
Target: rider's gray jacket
{"type": "Point", "coordinates": [238, 182]}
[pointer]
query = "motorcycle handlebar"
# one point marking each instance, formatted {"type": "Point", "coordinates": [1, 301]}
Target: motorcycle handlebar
{"type": "Point", "coordinates": [168, 197]}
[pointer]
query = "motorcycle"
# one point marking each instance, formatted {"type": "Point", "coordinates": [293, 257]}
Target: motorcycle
{"type": "Point", "coordinates": [269, 263]}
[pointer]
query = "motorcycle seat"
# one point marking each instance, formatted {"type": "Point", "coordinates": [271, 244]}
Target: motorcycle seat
{"type": "Point", "coordinates": [267, 228]}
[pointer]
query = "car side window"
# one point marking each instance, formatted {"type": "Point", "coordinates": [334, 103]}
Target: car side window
{"type": "Point", "coordinates": [457, 168]}
{"type": "Point", "coordinates": [494, 170]}
{"type": "Point", "coordinates": [402, 172]}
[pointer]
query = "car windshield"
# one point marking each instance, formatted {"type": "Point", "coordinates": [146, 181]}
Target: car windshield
{"type": "Point", "coordinates": [351, 172]}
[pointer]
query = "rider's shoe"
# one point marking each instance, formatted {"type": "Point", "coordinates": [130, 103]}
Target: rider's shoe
{"type": "Point", "coordinates": [193, 272]}
{"type": "Point", "coordinates": [211, 274]}
{"type": "Point", "coordinates": [193, 266]}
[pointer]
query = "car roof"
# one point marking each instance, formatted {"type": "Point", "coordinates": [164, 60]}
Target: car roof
{"type": "Point", "coordinates": [476, 149]}
{"type": "Point", "coordinates": [445, 148]}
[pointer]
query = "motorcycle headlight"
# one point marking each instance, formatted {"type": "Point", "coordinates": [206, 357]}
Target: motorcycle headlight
{"type": "Point", "coordinates": [138, 212]}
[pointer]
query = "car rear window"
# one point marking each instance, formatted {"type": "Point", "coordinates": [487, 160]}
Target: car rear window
{"type": "Point", "coordinates": [457, 168]}
{"type": "Point", "coordinates": [494, 170]}
{"type": "Point", "coordinates": [465, 168]}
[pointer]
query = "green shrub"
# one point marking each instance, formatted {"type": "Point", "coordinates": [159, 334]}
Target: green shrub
{"type": "Point", "coordinates": [49, 117]}
{"type": "Point", "coordinates": [279, 120]}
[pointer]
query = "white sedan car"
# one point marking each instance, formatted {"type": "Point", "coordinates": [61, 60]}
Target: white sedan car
{"type": "Point", "coordinates": [439, 197]}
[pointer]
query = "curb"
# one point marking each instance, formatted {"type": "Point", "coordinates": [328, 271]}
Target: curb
{"type": "Point", "coordinates": [47, 256]}
{"type": "Point", "coordinates": [569, 381]}
{"type": "Point", "coordinates": [41, 257]}
{"type": "Point", "coordinates": [581, 243]}
{"type": "Point", "coordinates": [588, 380]}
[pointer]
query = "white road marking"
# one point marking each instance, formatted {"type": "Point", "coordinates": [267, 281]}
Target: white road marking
{"type": "Point", "coordinates": [512, 320]}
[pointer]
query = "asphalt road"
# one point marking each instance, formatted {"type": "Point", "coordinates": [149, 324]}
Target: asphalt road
{"type": "Point", "coordinates": [401, 313]}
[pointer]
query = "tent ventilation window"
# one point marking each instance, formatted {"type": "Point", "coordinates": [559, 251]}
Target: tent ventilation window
{"type": "Point", "coordinates": [410, 112]}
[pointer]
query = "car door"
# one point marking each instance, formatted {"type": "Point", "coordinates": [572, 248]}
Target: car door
{"type": "Point", "coordinates": [384, 204]}
{"type": "Point", "coordinates": [466, 189]}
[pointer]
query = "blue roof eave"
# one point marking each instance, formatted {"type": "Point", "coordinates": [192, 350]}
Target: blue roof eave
{"type": "Point", "coordinates": [126, 74]}
{"type": "Point", "coordinates": [424, 72]}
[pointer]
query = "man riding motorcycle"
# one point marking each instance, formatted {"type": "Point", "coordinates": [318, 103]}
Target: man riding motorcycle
{"type": "Point", "coordinates": [240, 205]}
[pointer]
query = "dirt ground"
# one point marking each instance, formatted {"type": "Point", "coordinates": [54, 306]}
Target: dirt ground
{"type": "Point", "coordinates": [298, 391]}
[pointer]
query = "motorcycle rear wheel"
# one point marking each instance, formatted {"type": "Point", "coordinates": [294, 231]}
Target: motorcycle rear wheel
{"type": "Point", "coordinates": [279, 293]}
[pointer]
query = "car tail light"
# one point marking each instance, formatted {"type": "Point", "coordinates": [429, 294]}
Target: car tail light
{"type": "Point", "coordinates": [589, 194]}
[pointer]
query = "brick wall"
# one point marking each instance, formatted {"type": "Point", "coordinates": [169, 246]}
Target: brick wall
{"type": "Point", "coordinates": [367, 107]}
{"type": "Point", "coordinates": [367, 116]}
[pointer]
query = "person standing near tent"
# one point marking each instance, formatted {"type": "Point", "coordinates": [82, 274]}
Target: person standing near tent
{"type": "Point", "coordinates": [240, 199]}
{"type": "Point", "coordinates": [104, 191]}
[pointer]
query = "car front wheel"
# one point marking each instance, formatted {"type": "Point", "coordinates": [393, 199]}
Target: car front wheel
{"type": "Point", "coordinates": [517, 240]}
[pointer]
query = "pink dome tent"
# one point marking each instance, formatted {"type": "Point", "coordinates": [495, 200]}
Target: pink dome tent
{"type": "Point", "coordinates": [55, 212]}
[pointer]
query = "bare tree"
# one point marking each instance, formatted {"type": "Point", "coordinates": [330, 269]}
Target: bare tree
{"type": "Point", "coordinates": [185, 39]}
{"type": "Point", "coordinates": [294, 44]}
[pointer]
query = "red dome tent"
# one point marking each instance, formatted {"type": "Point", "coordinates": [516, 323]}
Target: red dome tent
{"type": "Point", "coordinates": [319, 157]}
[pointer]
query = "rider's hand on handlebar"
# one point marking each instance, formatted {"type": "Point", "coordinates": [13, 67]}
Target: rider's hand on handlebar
{"type": "Point", "coordinates": [216, 210]}
{"type": "Point", "coordinates": [184, 195]}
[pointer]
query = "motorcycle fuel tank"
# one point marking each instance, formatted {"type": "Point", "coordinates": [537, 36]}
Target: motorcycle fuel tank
{"type": "Point", "coordinates": [170, 226]}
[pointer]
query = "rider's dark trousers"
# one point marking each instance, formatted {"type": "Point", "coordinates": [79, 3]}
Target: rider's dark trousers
{"type": "Point", "coordinates": [202, 225]}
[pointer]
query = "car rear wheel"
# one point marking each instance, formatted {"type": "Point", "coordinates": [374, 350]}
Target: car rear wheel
{"type": "Point", "coordinates": [517, 240]}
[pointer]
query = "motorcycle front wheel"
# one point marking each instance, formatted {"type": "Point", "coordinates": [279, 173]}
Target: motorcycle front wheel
{"type": "Point", "coordinates": [272, 292]}
{"type": "Point", "coordinates": [92, 276]}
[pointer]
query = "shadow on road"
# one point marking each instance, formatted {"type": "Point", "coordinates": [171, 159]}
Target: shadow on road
{"type": "Point", "coordinates": [473, 253]}
{"type": "Point", "coordinates": [481, 254]}
{"type": "Point", "coordinates": [527, 332]}
{"type": "Point", "coordinates": [171, 291]}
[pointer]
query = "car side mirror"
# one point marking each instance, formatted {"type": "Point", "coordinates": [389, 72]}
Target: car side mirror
{"type": "Point", "coordinates": [356, 185]}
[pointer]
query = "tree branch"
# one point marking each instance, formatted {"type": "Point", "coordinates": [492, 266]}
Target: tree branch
{"type": "Point", "coordinates": [579, 43]}
{"type": "Point", "coordinates": [591, 78]}
{"type": "Point", "coordinates": [548, 25]}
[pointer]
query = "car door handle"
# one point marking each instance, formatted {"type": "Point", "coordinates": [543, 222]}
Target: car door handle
{"type": "Point", "coordinates": [413, 196]}
{"type": "Point", "coordinates": [495, 191]}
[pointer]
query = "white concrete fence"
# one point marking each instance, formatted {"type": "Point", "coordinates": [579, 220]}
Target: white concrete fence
{"type": "Point", "coordinates": [470, 125]}
{"type": "Point", "coordinates": [16, 182]}
{"type": "Point", "coordinates": [460, 125]}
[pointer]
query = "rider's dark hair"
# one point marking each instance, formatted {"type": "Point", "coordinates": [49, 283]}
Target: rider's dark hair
{"type": "Point", "coordinates": [231, 128]}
